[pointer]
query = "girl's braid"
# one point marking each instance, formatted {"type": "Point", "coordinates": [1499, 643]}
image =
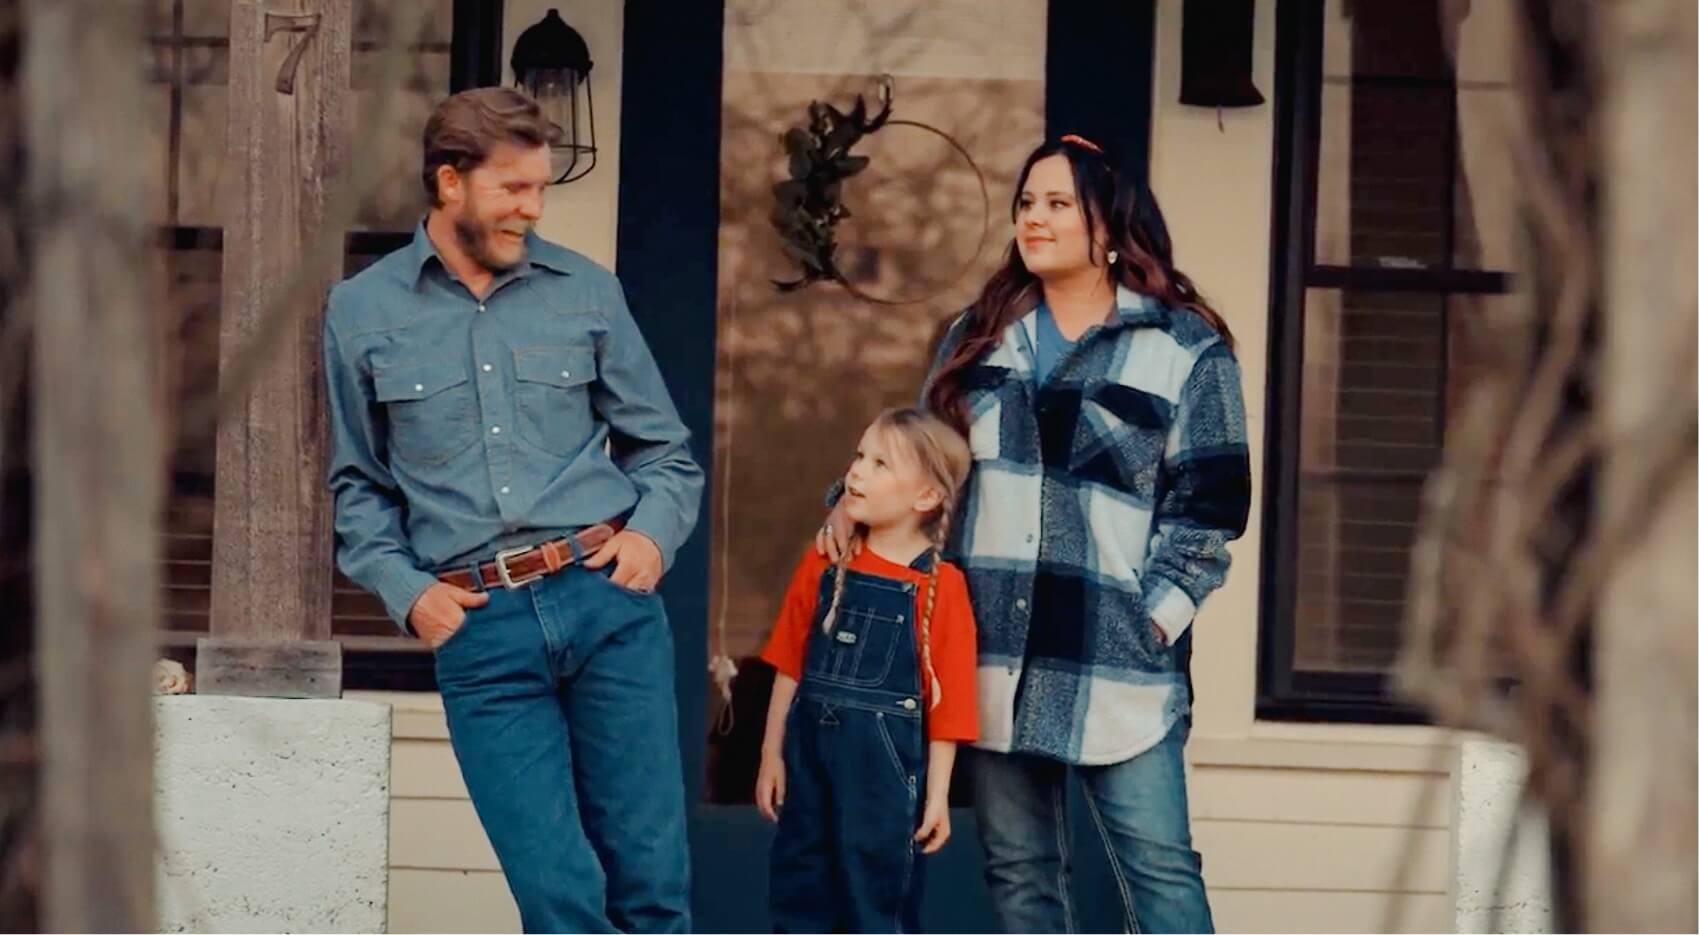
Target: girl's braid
{"type": "Point", "coordinates": [842, 573]}
{"type": "Point", "coordinates": [940, 536]}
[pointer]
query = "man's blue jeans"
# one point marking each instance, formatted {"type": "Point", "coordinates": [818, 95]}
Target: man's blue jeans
{"type": "Point", "coordinates": [561, 709]}
{"type": "Point", "coordinates": [1139, 810]}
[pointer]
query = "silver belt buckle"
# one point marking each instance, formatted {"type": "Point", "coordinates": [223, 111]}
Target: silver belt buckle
{"type": "Point", "coordinates": [507, 580]}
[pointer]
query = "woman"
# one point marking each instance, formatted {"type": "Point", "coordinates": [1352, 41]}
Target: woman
{"type": "Point", "coordinates": [1103, 405]}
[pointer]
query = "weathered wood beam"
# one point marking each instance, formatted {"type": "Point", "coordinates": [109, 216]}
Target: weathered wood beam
{"type": "Point", "coordinates": [268, 669]}
{"type": "Point", "coordinates": [286, 146]}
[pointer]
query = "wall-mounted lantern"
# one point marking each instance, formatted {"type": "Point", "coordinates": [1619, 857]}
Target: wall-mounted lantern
{"type": "Point", "coordinates": [1215, 53]}
{"type": "Point", "coordinates": [551, 61]}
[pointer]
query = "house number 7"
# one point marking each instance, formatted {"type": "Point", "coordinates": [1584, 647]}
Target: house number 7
{"type": "Point", "coordinates": [307, 24]}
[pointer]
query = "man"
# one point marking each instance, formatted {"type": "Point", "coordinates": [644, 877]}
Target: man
{"type": "Point", "coordinates": [511, 479]}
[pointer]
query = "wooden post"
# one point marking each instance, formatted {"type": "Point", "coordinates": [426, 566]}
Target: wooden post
{"type": "Point", "coordinates": [1641, 817]}
{"type": "Point", "coordinates": [287, 142]}
{"type": "Point", "coordinates": [97, 454]}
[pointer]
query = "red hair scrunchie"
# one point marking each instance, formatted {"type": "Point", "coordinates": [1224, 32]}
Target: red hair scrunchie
{"type": "Point", "coordinates": [1082, 142]}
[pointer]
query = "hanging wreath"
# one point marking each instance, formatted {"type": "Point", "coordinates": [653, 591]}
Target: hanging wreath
{"type": "Point", "coordinates": [809, 205]}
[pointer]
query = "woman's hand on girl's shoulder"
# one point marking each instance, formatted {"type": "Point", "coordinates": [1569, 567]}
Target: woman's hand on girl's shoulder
{"type": "Point", "coordinates": [834, 535]}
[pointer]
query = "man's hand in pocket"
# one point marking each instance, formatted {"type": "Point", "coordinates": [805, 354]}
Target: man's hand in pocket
{"type": "Point", "coordinates": [441, 611]}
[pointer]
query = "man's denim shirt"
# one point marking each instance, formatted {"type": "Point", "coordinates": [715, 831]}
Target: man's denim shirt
{"type": "Point", "coordinates": [462, 427]}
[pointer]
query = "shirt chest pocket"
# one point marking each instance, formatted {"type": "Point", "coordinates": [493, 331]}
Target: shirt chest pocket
{"type": "Point", "coordinates": [431, 410]}
{"type": "Point", "coordinates": [552, 390]}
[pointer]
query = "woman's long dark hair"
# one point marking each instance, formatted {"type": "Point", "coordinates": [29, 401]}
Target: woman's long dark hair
{"type": "Point", "coordinates": [1134, 230]}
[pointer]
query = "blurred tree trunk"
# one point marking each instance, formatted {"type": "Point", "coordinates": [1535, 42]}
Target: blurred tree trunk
{"type": "Point", "coordinates": [18, 876]}
{"type": "Point", "coordinates": [1641, 828]}
{"type": "Point", "coordinates": [97, 451]}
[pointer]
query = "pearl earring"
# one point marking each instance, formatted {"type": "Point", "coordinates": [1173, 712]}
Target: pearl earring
{"type": "Point", "coordinates": [1113, 256]}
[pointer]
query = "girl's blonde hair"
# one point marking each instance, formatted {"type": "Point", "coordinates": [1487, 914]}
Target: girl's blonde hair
{"type": "Point", "coordinates": [943, 456]}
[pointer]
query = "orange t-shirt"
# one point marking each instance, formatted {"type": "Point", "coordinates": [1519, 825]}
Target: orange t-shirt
{"type": "Point", "coordinates": [954, 650]}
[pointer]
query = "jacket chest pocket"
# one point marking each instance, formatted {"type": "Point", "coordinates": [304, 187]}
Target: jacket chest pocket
{"type": "Point", "coordinates": [432, 413]}
{"type": "Point", "coordinates": [553, 396]}
{"type": "Point", "coordinates": [1120, 437]}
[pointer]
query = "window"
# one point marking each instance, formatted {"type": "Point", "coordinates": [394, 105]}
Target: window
{"type": "Point", "coordinates": [457, 45]}
{"type": "Point", "coordinates": [1394, 235]}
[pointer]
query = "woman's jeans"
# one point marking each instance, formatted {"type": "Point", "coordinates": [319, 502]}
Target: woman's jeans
{"type": "Point", "coordinates": [1138, 808]}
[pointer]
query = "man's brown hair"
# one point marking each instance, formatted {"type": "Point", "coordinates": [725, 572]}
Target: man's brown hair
{"type": "Point", "coordinates": [465, 127]}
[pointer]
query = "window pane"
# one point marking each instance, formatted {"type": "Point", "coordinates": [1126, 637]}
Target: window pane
{"type": "Point", "coordinates": [1415, 167]}
{"type": "Point", "coordinates": [152, 148]}
{"type": "Point", "coordinates": [1487, 196]}
{"type": "Point", "coordinates": [1383, 375]}
{"type": "Point", "coordinates": [1353, 563]}
{"type": "Point", "coordinates": [192, 274]}
{"type": "Point", "coordinates": [1399, 170]}
{"type": "Point", "coordinates": [200, 161]}
{"type": "Point", "coordinates": [389, 122]}
{"type": "Point", "coordinates": [1376, 368]}
{"type": "Point", "coordinates": [205, 17]}
{"type": "Point", "coordinates": [183, 142]}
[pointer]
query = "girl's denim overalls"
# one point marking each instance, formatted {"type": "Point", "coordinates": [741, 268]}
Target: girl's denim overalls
{"type": "Point", "coordinates": [844, 858]}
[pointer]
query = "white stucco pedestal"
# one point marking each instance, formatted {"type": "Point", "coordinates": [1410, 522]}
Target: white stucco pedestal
{"type": "Point", "coordinates": [1490, 778]}
{"type": "Point", "coordinates": [273, 814]}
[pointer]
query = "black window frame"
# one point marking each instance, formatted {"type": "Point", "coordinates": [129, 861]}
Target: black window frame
{"type": "Point", "coordinates": [1284, 691]}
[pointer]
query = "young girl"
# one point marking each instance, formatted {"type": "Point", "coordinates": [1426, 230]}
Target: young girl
{"type": "Point", "coordinates": [878, 654]}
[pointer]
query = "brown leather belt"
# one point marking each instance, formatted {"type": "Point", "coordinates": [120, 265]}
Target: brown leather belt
{"type": "Point", "coordinates": [516, 568]}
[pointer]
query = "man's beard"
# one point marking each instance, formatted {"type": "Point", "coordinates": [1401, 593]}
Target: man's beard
{"type": "Point", "coordinates": [475, 238]}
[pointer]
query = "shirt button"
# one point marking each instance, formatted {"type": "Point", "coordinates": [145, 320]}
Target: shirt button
{"type": "Point", "coordinates": [495, 430]}
{"type": "Point", "coordinates": [565, 373]}
{"type": "Point", "coordinates": [418, 387]}
{"type": "Point", "coordinates": [1030, 537]}
{"type": "Point", "coordinates": [487, 368]}
{"type": "Point", "coordinates": [504, 490]}
{"type": "Point", "coordinates": [1020, 604]}
{"type": "Point", "coordinates": [480, 306]}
